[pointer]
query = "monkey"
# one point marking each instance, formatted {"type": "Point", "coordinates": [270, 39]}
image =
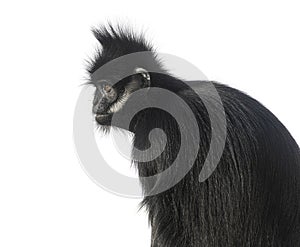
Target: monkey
{"type": "Point", "coordinates": [252, 198]}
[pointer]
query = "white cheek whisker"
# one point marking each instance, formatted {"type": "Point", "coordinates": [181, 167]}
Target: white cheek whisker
{"type": "Point", "coordinates": [119, 103]}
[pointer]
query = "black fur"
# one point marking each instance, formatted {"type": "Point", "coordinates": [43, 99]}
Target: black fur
{"type": "Point", "coordinates": [251, 199]}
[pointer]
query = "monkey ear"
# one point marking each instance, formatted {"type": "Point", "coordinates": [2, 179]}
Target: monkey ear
{"type": "Point", "coordinates": [144, 76]}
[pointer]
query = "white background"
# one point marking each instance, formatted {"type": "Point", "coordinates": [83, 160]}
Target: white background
{"type": "Point", "coordinates": [45, 197]}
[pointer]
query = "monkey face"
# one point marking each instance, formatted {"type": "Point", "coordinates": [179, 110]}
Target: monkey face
{"type": "Point", "coordinates": [109, 99]}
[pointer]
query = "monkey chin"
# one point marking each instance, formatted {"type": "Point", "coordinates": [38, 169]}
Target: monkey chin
{"type": "Point", "coordinates": [103, 124]}
{"type": "Point", "coordinates": [104, 119]}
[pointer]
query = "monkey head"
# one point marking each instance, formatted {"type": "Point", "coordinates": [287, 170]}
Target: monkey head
{"type": "Point", "coordinates": [112, 89]}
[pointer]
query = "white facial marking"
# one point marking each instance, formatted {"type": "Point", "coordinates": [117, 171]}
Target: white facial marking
{"type": "Point", "coordinates": [119, 103]}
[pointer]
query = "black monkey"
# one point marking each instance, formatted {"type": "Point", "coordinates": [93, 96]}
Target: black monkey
{"type": "Point", "coordinates": [253, 196]}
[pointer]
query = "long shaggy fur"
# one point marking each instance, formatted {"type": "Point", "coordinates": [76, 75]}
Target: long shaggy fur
{"type": "Point", "coordinates": [251, 199]}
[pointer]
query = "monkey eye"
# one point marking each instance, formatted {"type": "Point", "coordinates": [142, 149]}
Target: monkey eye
{"type": "Point", "coordinates": [101, 82]}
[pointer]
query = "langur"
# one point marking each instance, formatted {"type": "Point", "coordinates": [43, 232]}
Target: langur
{"type": "Point", "coordinates": [251, 199]}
